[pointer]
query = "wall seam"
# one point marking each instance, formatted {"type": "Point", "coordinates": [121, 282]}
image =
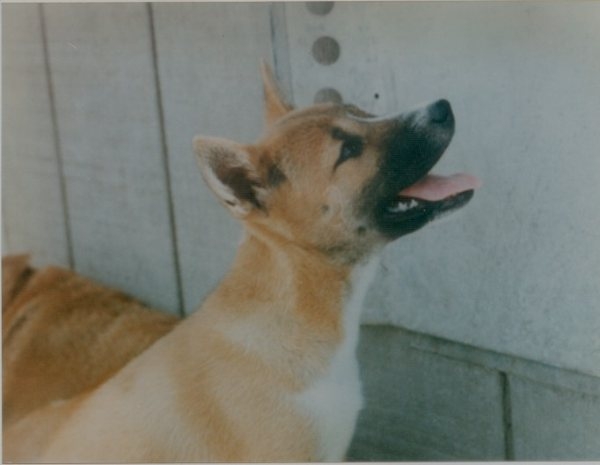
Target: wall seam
{"type": "Point", "coordinates": [280, 48]}
{"type": "Point", "coordinates": [56, 138]}
{"type": "Point", "coordinates": [165, 161]}
{"type": "Point", "coordinates": [507, 420]}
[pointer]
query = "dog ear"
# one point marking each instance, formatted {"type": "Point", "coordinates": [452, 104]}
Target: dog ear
{"type": "Point", "coordinates": [275, 104]}
{"type": "Point", "coordinates": [230, 173]}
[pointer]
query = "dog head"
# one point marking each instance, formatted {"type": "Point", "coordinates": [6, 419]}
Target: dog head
{"type": "Point", "coordinates": [335, 179]}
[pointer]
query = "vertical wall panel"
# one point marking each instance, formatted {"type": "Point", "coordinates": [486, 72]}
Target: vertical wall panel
{"type": "Point", "coordinates": [208, 56]}
{"type": "Point", "coordinates": [32, 209]}
{"type": "Point", "coordinates": [101, 63]}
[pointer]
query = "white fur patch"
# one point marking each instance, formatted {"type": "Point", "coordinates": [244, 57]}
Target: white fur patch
{"type": "Point", "coordinates": [333, 401]}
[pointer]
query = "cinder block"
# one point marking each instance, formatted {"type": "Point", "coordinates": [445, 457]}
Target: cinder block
{"type": "Point", "coordinates": [550, 423]}
{"type": "Point", "coordinates": [422, 406]}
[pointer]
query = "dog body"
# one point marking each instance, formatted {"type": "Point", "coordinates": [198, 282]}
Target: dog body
{"type": "Point", "coordinates": [64, 334]}
{"type": "Point", "coordinates": [229, 385]}
{"type": "Point", "coordinates": [265, 370]}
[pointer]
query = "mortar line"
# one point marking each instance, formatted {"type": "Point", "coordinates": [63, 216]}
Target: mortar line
{"type": "Point", "coordinates": [507, 420]}
{"type": "Point", "coordinates": [57, 142]}
{"type": "Point", "coordinates": [166, 165]}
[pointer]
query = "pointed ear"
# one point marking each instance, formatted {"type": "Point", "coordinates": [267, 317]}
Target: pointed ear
{"type": "Point", "coordinates": [275, 104]}
{"type": "Point", "coordinates": [230, 173]}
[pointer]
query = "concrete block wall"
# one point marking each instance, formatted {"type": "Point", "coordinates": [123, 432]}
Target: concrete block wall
{"type": "Point", "coordinates": [481, 337]}
{"type": "Point", "coordinates": [433, 399]}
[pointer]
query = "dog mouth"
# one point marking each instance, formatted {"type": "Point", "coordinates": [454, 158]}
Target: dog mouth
{"type": "Point", "coordinates": [426, 200]}
{"type": "Point", "coordinates": [404, 194]}
{"type": "Point", "coordinates": [435, 192]}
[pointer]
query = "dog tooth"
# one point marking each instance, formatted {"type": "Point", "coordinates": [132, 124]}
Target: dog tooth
{"type": "Point", "coordinates": [400, 206]}
{"type": "Point", "coordinates": [403, 205]}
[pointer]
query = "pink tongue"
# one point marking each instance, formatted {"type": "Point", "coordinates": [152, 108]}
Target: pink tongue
{"type": "Point", "coordinates": [433, 187]}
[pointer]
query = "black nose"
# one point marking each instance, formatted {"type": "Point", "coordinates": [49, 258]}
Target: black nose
{"type": "Point", "coordinates": [440, 112]}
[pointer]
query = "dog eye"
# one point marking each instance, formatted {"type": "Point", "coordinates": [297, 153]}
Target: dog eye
{"type": "Point", "coordinates": [352, 146]}
{"type": "Point", "coordinates": [350, 149]}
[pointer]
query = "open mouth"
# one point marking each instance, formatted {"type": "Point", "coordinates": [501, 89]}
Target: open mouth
{"type": "Point", "coordinates": [426, 200]}
{"type": "Point", "coordinates": [407, 196]}
{"type": "Point", "coordinates": [434, 194]}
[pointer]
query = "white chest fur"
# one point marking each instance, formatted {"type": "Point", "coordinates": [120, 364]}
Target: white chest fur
{"type": "Point", "coordinates": [334, 400]}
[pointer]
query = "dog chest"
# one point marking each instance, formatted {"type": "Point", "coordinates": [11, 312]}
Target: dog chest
{"type": "Point", "coordinates": [332, 404]}
{"type": "Point", "coordinates": [333, 401]}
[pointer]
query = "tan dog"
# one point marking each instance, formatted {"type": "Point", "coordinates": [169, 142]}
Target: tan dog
{"type": "Point", "coordinates": [63, 334]}
{"type": "Point", "coordinates": [265, 370]}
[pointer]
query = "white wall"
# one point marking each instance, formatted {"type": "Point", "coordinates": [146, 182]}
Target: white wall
{"type": "Point", "coordinates": [517, 273]}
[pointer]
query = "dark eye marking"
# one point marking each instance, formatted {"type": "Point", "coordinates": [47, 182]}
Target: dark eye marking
{"type": "Point", "coordinates": [352, 145]}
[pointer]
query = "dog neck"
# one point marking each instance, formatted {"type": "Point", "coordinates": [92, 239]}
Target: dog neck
{"type": "Point", "coordinates": [296, 300]}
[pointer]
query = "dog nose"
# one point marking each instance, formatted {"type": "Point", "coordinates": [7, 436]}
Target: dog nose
{"type": "Point", "coordinates": [440, 112]}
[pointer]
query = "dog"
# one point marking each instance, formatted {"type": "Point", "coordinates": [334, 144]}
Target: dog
{"type": "Point", "coordinates": [266, 370]}
{"type": "Point", "coordinates": [94, 332]}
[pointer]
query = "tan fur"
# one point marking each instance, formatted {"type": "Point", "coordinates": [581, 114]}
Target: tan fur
{"type": "Point", "coordinates": [15, 274]}
{"type": "Point", "coordinates": [202, 381]}
{"type": "Point", "coordinates": [275, 105]}
{"type": "Point", "coordinates": [251, 375]}
{"type": "Point", "coordinates": [64, 334]}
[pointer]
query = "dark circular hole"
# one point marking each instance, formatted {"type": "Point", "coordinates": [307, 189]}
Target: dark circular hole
{"type": "Point", "coordinates": [376, 96]}
{"type": "Point", "coordinates": [328, 95]}
{"type": "Point", "coordinates": [326, 50]}
{"type": "Point", "coordinates": [319, 8]}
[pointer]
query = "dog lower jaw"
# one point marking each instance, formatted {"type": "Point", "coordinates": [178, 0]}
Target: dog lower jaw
{"type": "Point", "coordinates": [402, 215]}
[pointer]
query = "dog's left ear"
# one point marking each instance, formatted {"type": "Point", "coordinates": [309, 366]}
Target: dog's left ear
{"type": "Point", "coordinates": [275, 104]}
{"type": "Point", "coordinates": [230, 172]}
